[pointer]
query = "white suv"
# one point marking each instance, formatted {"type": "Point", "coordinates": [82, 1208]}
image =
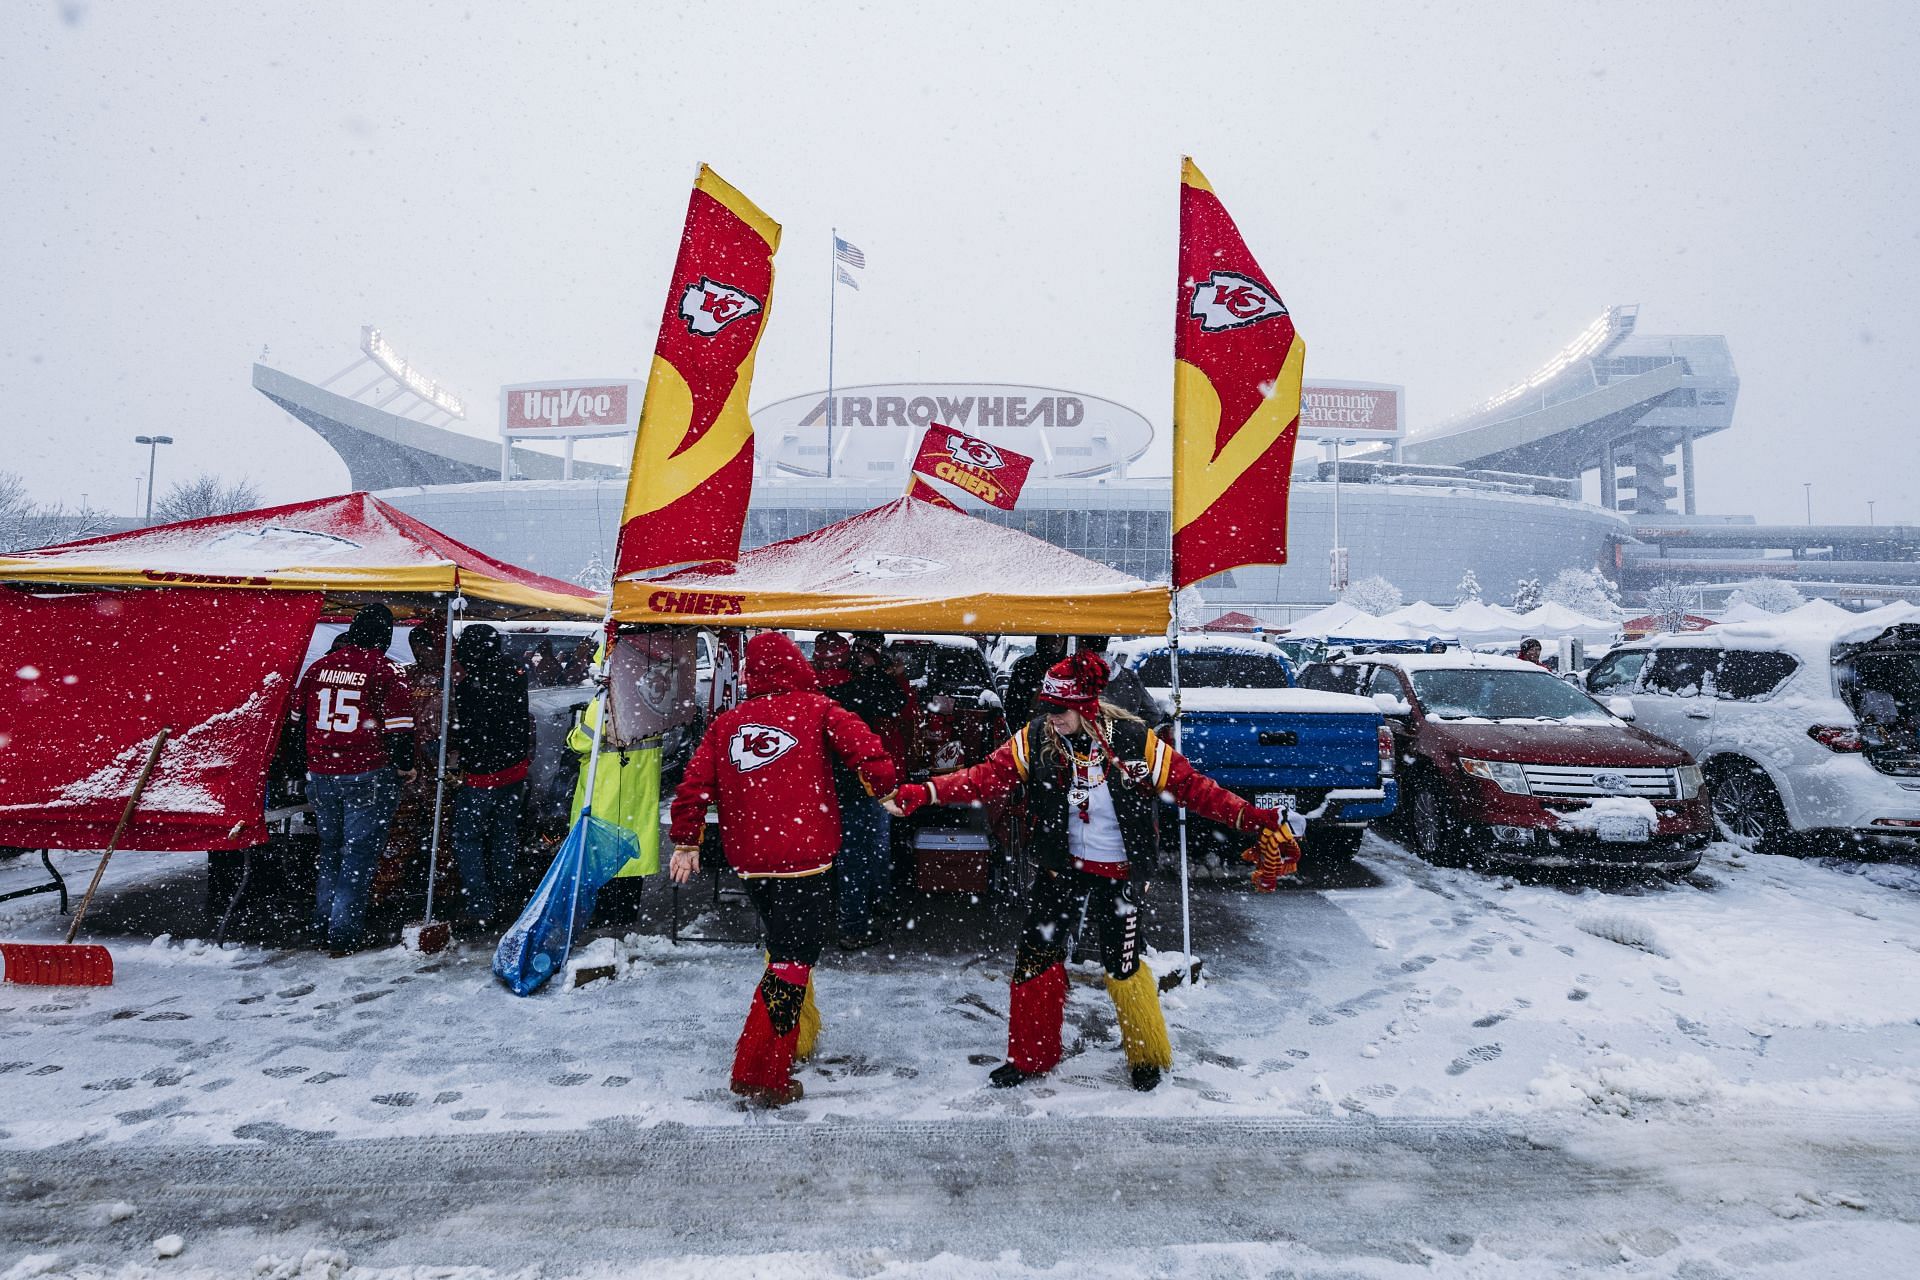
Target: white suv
{"type": "Point", "coordinates": [1809, 729]}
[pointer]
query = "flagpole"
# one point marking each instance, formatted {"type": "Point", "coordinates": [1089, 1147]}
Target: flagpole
{"type": "Point", "coordinates": [833, 302]}
{"type": "Point", "coordinates": [1180, 819]}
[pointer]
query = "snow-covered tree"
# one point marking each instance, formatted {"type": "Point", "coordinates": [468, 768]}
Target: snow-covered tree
{"type": "Point", "coordinates": [1526, 595]}
{"type": "Point", "coordinates": [205, 495]}
{"type": "Point", "coordinates": [1670, 602]}
{"type": "Point", "coordinates": [1375, 595]}
{"type": "Point", "coordinates": [594, 575]}
{"type": "Point", "coordinates": [1581, 590]}
{"type": "Point", "coordinates": [1468, 592]}
{"type": "Point", "coordinates": [26, 525]}
{"type": "Point", "coordinates": [1770, 594]}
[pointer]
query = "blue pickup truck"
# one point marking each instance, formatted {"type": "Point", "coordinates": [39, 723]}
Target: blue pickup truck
{"type": "Point", "coordinates": [1247, 724]}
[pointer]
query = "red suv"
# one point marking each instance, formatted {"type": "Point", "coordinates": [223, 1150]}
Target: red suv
{"type": "Point", "coordinates": [1506, 764]}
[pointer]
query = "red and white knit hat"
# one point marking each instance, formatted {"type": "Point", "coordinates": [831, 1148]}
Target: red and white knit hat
{"type": "Point", "coordinates": [1075, 683]}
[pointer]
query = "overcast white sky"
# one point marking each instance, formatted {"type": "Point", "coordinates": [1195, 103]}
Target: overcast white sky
{"type": "Point", "coordinates": [1444, 193]}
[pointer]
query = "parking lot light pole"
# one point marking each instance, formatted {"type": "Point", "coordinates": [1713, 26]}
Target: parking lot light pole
{"type": "Point", "coordinates": [153, 444]}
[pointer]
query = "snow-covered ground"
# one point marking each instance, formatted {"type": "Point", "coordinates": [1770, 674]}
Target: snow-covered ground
{"type": "Point", "coordinates": [1714, 1031]}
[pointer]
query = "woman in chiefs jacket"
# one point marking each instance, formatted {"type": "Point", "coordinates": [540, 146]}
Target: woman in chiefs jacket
{"type": "Point", "coordinates": [767, 764]}
{"type": "Point", "coordinates": [1093, 774]}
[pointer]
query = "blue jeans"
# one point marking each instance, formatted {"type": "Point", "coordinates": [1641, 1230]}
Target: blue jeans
{"type": "Point", "coordinates": [486, 838]}
{"type": "Point", "coordinates": [352, 811]}
{"type": "Point", "coordinates": [865, 863]}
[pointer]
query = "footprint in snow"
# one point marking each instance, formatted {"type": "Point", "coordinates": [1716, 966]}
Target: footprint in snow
{"type": "Point", "coordinates": [396, 1099]}
{"type": "Point", "coordinates": [1490, 1019]}
{"type": "Point", "coordinates": [1473, 1058]}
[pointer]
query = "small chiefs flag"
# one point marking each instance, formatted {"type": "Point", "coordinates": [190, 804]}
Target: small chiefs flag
{"type": "Point", "coordinates": [988, 472]}
{"type": "Point", "coordinates": [1236, 397]}
{"type": "Point", "coordinates": [918, 488]}
{"type": "Point", "coordinates": [693, 455]}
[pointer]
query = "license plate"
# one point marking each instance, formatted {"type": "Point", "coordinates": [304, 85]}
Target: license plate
{"type": "Point", "coordinates": [1623, 830]}
{"type": "Point", "coordinates": [1274, 799]}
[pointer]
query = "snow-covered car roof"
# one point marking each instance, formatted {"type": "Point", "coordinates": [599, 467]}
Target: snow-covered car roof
{"type": "Point", "coordinates": [1451, 660]}
{"type": "Point", "coordinates": [1131, 649]}
{"type": "Point", "coordinates": [951, 642]}
{"type": "Point", "coordinates": [1297, 701]}
{"type": "Point", "coordinates": [1810, 639]}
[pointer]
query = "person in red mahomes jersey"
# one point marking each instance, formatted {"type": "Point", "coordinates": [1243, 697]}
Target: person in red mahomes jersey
{"type": "Point", "coordinates": [1094, 775]}
{"type": "Point", "coordinates": [356, 715]}
{"type": "Point", "coordinates": [768, 765]}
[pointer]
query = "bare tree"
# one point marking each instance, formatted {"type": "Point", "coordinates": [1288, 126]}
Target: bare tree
{"type": "Point", "coordinates": [206, 495]}
{"type": "Point", "coordinates": [1770, 594]}
{"type": "Point", "coordinates": [26, 525]}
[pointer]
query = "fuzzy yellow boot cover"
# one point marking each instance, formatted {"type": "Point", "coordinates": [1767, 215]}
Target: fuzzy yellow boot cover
{"type": "Point", "coordinates": [1143, 1032]}
{"type": "Point", "coordinates": [809, 1026]}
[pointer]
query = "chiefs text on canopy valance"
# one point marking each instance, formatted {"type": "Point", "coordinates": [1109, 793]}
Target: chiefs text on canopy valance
{"type": "Point", "coordinates": [353, 546]}
{"type": "Point", "coordinates": [905, 566]}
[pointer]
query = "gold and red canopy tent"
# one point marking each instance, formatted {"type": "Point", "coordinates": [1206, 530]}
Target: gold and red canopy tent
{"type": "Point", "coordinates": [905, 566]}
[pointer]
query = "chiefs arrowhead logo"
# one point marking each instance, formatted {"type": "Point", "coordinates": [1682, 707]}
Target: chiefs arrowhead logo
{"type": "Point", "coordinates": [709, 306]}
{"type": "Point", "coordinates": [753, 745]}
{"type": "Point", "coordinates": [974, 453]}
{"type": "Point", "coordinates": [1229, 300]}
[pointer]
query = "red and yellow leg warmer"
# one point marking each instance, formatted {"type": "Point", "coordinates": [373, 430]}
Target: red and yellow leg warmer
{"type": "Point", "coordinates": [1039, 1006]}
{"type": "Point", "coordinates": [1143, 1032]}
{"type": "Point", "coordinates": [764, 1056]}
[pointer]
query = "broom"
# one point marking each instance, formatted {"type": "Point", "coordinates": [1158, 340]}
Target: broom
{"type": "Point", "coordinates": [62, 964]}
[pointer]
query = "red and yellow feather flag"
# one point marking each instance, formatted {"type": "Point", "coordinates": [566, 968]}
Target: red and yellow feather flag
{"type": "Point", "coordinates": [693, 455]}
{"type": "Point", "coordinates": [1236, 397]}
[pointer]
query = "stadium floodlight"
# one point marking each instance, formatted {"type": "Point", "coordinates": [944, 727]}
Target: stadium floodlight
{"type": "Point", "coordinates": [381, 352]}
{"type": "Point", "coordinates": [153, 444]}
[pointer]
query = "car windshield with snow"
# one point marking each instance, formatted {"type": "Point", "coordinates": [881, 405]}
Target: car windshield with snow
{"type": "Point", "coordinates": [1503, 695]}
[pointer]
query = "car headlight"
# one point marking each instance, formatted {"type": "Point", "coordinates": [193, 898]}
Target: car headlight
{"type": "Point", "coordinates": [1509, 777]}
{"type": "Point", "coordinates": [1690, 778]}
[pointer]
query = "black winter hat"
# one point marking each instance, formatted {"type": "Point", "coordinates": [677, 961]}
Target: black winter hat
{"type": "Point", "coordinates": [372, 628]}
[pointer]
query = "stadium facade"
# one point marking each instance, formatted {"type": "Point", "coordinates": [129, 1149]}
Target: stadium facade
{"type": "Point", "coordinates": [1497, 490]}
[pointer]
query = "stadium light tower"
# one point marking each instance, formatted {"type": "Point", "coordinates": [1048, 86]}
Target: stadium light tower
{"type": "Point", "coordinates": [153, 444]}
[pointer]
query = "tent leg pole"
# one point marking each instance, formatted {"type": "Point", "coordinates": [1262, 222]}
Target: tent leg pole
{"type": "Point", "coordinates": [440, 768]}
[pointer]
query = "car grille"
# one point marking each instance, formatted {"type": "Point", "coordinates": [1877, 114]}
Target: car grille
{"type": "Point", "coordinates": [1581, 780]}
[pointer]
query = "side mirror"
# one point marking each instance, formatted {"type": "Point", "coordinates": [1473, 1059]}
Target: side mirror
{"type": "Point", "coordinates": [1621, 707]}
{"type": "Point", "coordinates": [1391, 706]}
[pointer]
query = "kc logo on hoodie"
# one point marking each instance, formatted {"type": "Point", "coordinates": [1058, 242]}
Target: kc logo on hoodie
{"type": "Point", "coordinates": [753, 745]}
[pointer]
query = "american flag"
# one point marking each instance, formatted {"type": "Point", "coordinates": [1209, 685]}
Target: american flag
{"type": "Point", "coordinates": [845, 279]}
{"type": "Point", "coordinates": [849, 254]}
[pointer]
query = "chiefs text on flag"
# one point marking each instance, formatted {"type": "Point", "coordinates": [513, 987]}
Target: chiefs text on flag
{"type": "Point", "coordinates": [988, 472]}
{"type": "Point", "coordinates": [693, 454]}
{"type": "Point", "coordinates": [1236, 397]}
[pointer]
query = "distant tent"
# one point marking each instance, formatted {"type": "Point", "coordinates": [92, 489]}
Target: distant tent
{"type": "Point", "coordinates": [1651, 623]}
{"type": "Point", "coordinates": [1235, 623]}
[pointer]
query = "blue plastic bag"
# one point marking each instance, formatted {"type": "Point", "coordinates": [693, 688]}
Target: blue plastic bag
{"type": "Point", "coordinates": [536, 947]}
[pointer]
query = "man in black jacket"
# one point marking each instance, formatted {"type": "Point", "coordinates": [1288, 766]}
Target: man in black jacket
{"type": "Point", "coordinates": [492, 733]}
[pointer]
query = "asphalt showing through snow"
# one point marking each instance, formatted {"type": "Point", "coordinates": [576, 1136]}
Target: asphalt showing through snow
{"type": "Point", "coordinates": [1049, 1188]}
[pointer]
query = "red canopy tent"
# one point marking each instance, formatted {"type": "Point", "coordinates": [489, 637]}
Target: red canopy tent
{"type": "Point", "coordinates": [199, 627]}
{"type": "Point", "coordinates": [1236, 623]}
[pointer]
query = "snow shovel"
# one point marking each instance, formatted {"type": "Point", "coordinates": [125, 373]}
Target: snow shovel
{"type": "Point", "coordinates": [49, 964]}
{"type": "Point", "coordinates": [428, 936]}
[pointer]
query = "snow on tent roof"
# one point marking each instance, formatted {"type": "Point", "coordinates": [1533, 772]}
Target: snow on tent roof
{"type": "Point", "coordinates": [1557, 617]}
{"type": "Point", "coordinates": [1328, 620]}
{"type": "Point", "coordinates": [353, 545]}
{"type": "Point", "coordinates": [1236, 622]}
{"type": "Point", "coordinates": [1421, 614]}
{"type": "Point", "coordinates": [905, 566]}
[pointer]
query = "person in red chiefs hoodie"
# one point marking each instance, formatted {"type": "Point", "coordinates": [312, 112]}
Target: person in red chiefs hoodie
{"type": "Point", "coordinates": [357, 717]}
{"type": "Point", "coordinates": [768, 765]}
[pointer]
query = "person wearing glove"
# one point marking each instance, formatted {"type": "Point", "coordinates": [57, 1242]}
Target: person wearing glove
{"type": "Point", "coordinates": [1093, 775]}
{"type": "Point", "coordinates": [1275, 854]}
{"type": "Point", "coordinates": [768, 765]}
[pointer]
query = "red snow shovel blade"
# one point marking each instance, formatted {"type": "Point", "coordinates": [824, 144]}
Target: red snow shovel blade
{"type": "Point", "coordinates": [52, 964]}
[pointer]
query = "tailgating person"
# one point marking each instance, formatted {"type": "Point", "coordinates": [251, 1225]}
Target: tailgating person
{"type": "Point", "coordinates": [864, 867]}
{"type": "Point", "coordinates": [1530, 652]}
{"type": "Point", "coordinates": [411, 827]}
{"type": "Point", "coordinates": [1023, 681]}
{"type": "Point", "coordinates": [492, 733]}
{"type": "Point", "coordinates": [356, 717]}
{"type": "Point", "coordinates": [1093, 774]}
{"type": "Point", "coordinates": [1125, 689]}
{"type": "Point", "coordinates": [767, 765]}
{"type": "Point", "coordinates": [897, 733]}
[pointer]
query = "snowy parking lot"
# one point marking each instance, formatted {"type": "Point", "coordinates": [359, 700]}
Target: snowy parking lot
{"type": "Point", "coordinates": [1736, 1057]}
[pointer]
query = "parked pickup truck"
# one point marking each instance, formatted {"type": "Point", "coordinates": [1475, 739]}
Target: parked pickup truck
{"type": "Point", "coordinates": [1246, 724]}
